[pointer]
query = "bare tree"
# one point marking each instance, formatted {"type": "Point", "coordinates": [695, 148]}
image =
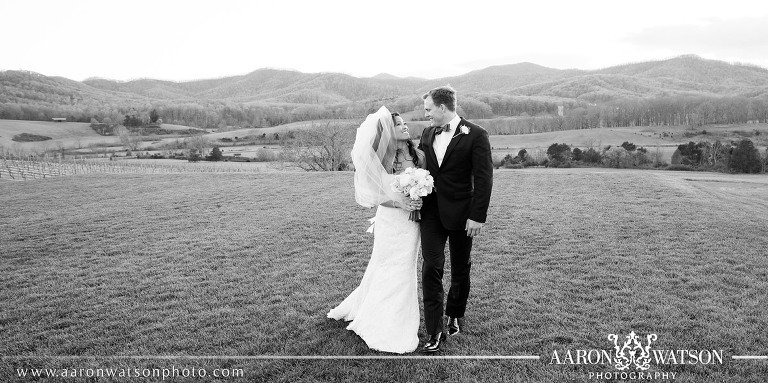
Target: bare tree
{"type": "Point", "coordinates": [18, 150]}
{"type": "Point", "coordinates": [558, 123]}
{"type": "Point", "coordinates": [43, 148]}
{"type": "Point", "coordinates": [657, 156]}
{"type": "Point", "coordinates": [539, 155]}
{"type": "Point", "coordinates": [101, 148]}
{"type": "Point", "coordinates": [323, 148]}
{"type": "Point", "coordinates": [198, 143]}
{"type": "Point", "coordinates": [131, 140]}
{"type": "Point", "coordinates": [76, 138]}
{"type": "Point", "coordinates": [60, 148]}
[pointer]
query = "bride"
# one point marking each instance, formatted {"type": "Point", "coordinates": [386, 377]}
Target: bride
{"type": "Point", "coordinates": [384, 308]}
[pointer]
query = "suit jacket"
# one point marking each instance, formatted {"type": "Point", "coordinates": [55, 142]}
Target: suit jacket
{"type": "Point", "coordinates": [464, 181]}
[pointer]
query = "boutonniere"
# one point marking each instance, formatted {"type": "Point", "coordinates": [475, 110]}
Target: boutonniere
{"type": "Point", "coordinates": [464, 130]}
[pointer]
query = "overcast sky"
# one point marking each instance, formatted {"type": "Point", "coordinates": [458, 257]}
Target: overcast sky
{"type": "Point", "coordinates": [185, 40]}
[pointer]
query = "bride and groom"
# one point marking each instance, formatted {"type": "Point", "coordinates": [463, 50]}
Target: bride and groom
{"type": "Point", "coordinates": [384, 308]}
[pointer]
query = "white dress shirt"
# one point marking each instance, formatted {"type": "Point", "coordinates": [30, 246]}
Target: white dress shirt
{"type": "Point", "coordinates": [443, 139]}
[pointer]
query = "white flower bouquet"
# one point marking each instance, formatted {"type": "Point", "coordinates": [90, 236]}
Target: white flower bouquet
{"type": "Point", "coordinates": [414, 183]}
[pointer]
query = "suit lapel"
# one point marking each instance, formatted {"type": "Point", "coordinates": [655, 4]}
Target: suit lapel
{"type": "Point", "coordinates": [430, 147]}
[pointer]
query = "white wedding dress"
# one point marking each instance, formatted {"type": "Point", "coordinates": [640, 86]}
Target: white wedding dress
{"type": "Point", "coordinates": [384, 308]}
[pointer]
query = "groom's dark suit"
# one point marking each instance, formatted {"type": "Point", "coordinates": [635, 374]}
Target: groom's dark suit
{"type": "Point", "coordinates": [462, 191]}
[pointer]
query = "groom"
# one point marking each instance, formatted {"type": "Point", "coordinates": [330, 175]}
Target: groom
{"type": "Point", "coordinates": [458, 156]}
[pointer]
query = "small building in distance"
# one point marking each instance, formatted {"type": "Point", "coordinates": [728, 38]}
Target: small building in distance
{"type": "Point", "coordinates": [59, 119]}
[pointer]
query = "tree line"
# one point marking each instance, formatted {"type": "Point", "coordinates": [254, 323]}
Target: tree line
{"type": "Point", "coordinates": [534, 114]}
{"type": "Point", "coordinates": [728, 157]}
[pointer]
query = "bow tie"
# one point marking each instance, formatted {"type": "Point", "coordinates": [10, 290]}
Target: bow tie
{"type": "Point", "coordinates": [440, 129]}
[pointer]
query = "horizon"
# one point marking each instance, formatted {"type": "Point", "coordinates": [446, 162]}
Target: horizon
{"type": "Point", "coordinates": [385, 73]}
{"type": "Point", "coordinates": [180, 41]}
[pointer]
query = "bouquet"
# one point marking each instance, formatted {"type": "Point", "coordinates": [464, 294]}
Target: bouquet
{"type": "Point", "coordinates": [414, 183]}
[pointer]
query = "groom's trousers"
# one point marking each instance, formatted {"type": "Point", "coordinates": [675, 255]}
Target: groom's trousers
{"type": "Point", "coordinates": [433, 239]}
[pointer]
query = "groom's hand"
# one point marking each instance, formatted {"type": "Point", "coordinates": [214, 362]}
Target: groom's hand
{"type": "Point", "coordinates": [473, 228]}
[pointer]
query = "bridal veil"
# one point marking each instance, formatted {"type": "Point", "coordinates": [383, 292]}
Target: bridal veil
{"type": "Point", "coordinates": [372, 154]}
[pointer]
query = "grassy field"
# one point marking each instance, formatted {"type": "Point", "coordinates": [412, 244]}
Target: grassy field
{"type": "Point", "coordinates": [68, 133]}
{"type": "Point", "coordinates": [665, 139]}
{"type": "Point", "coordinates": [281, 129]}
{"type": "Point", "coordinates": [21, 170]}
{"type": "Point", "coordinates": [249, 264]}
{"type": "Point", "coordinates": [582, 138]}
{"type": "Point", "coordinates": [71, 135]}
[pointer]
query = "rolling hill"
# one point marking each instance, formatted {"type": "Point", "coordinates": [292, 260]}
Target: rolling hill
{"type": "Point", "coordinates": [685, 75]}
{"type": "Point", "coordinates": [696, 88]}
{"type": "Point", "coordinates": [263, 85]}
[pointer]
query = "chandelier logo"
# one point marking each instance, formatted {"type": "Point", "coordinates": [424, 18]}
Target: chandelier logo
{"type": "Point", "coordinates": [632, 352]}
{"type": "Point", "coordinates": [633, 357]}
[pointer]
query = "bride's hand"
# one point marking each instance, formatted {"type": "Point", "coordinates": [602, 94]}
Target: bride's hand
{"type": "Point", "coordinates": [410, 205]}
{"type": "Point", "coordinates": [404, 204]}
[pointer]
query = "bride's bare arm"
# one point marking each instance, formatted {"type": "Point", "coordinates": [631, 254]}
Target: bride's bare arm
{"type": "Point", "coordinates": [393, 204]}
{"type": "Point", "coordinates": [422, 159]}
{"type": "Point", "coordinates": [399, 205]}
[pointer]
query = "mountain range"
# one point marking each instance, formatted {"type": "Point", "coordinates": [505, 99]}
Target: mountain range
{"type": "Point", "coordinates": [685, 75]}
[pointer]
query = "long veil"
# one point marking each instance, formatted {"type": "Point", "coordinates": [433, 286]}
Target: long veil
{"type": "Point", "coordinates": [373, 153]}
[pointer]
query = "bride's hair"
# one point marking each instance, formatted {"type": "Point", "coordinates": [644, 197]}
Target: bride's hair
{"type": "Point", "coordinates": [411, 146]}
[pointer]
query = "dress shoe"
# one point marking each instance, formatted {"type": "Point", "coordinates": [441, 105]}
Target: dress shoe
{"type": "Point", "coordinates": [433, 344]}
{"type": "Point", "coordinates": [453, 326]}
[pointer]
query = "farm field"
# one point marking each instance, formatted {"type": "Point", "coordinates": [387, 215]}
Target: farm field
{"type": "Point", "coordinates": [664, 139]}
{"type": "Point", "coordinates": [581, 138]}
{"type": "Point", "coordinates": [294, 126]}
{"type": "Point", "coordinates": [248, 264]}
{"type": "Point", "coordinates": [68, 133]}
{"type": "Point", "coordinates": [216, 166]}
{"type": "Point", "coordinates": [71, 135]}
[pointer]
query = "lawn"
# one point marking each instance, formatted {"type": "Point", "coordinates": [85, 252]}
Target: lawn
{"type": "Point", "coordinates": [122, 267]}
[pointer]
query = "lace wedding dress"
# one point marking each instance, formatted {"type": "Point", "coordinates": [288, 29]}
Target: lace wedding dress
{"type": "Point", "coordinates": [384, 308]}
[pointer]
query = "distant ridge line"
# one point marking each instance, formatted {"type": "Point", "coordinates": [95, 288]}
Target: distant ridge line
{"type": "Point", "coordinates": [294, 94]}
{"type": "Point", "coordinates": [389, 76]}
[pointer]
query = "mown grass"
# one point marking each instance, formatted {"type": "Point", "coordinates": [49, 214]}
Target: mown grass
{"type": "Point", "coordinates": [249, 264]}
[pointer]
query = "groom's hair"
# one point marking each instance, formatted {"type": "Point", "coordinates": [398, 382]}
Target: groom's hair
{"type": "Point", "coordinates": [443, 95]}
